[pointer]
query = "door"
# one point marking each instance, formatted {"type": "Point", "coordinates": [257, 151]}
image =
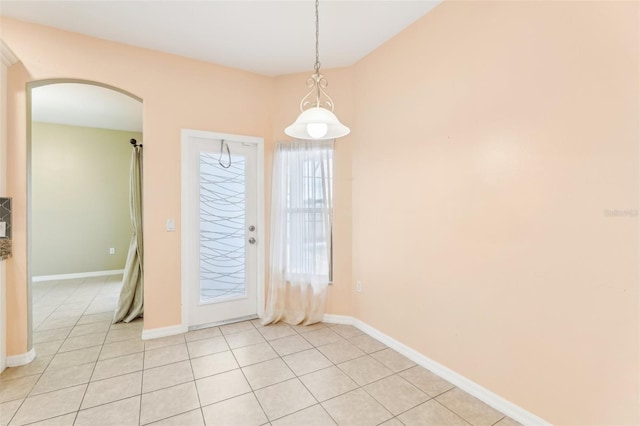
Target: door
{"type": "Point", "coordinates": [223, 233]}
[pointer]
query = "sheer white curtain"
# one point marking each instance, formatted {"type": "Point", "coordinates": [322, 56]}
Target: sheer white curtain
{"type": "Point", "coordinates": [301, 226]}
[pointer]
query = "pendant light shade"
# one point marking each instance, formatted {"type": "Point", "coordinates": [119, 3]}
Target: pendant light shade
{"type": "Point", "coordinates": [317, 123]}
{"type": "Point", "coordinates": [317, 120]}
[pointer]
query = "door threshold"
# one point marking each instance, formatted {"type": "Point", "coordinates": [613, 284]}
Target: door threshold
{"type": "Point", "coordinates": [229, 321]}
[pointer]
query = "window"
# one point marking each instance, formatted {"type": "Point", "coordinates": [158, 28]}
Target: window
{"type": "Point", "coordinates": [307, 209]}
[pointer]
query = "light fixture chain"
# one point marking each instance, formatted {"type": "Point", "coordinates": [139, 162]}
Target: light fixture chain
{"type": "Point", "coordinates": [317, 64]}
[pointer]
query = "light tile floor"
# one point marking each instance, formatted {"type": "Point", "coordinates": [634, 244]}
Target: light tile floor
{"type": "Point", "coordinates": [90, 372]}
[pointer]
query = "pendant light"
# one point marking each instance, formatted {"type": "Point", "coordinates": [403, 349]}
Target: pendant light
{"type": "Point", "coordinates": [317, 120]}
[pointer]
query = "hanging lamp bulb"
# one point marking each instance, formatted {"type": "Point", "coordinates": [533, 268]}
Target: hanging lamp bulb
{"type": "Point", "coordinates": [317, 120]}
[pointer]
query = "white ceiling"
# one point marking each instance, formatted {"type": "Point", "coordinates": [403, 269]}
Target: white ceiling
{"type": "Point", "coordinates": [86, 105]}
{"type": "Point", "coordinates": [262, 36]}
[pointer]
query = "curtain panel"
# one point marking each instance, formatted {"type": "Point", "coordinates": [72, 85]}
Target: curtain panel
{"type": "Point", "coordinates": [301, 228]}
{"type": "Point", "coordinates": [130, 303]}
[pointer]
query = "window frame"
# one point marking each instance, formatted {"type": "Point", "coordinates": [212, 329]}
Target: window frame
{"type": "Point", "coordinates": [313, 209]}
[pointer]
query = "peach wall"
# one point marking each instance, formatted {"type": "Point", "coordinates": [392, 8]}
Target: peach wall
{"type": "Point", "coordinates": [16, 265]}
{"type": "Point", "coordinates": [489, 139]}
{"type": "Point", "coordinates": [177, 93]}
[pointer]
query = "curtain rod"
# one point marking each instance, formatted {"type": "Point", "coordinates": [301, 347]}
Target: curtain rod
{"type": "Point", "coordinates": [135, 143]}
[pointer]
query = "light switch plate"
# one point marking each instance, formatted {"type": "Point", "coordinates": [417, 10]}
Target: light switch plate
{"type": "Point", "coordinates": [171, 225]}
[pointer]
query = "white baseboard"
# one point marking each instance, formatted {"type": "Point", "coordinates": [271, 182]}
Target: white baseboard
{"type": "Point", "coordinates": [156, 333]}
{"type": "Point", "coordinates": [508, 408]}
{"type": "Point", "coordinates": [22, 359]}
{"type": "Point", "coordinates": [78, 275]}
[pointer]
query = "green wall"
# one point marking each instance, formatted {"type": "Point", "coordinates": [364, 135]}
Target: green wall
{"type": "Point", "coordinates": [80, 198]}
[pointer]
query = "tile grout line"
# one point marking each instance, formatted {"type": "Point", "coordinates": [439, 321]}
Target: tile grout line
{"type": "Point", "coordinates": [362, 387]}
{"type": "Point", "coordinates": [402, 378]}
{"type": "Point", "coordinates": [253, 391]}
{"type": "Point", "coordinates": [311, 393]}
{"type": "Point", "coordinates": [296, 376]}
{"type": "Point", "coordinates": [144, 355]}
{"type": "Point", "coordinates": [195, 385]}
{"type": "Point", "coordinates": [96, 362]}
{"type": "Point", "coordinates": [501, 419]}
{"type": "Point", "coordinates": [449, 409]}
{"type": "Point", "coordinates": [314, 347]}
{"type": "Point", "coordinates": [144, 352]}
{"type": "Point", "coordinates": [30, 394]}
{"type": "Point", "coordinates": [41, 374]}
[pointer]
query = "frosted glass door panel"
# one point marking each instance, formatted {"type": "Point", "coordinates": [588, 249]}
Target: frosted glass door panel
{"type": "Point", "coordinates": [223, 225]}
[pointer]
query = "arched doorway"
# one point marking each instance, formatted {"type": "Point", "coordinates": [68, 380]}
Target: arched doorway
{"type": "Point", "coordinates": [78, 224]}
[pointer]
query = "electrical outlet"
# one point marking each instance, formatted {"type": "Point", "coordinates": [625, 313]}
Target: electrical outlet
{"type": "Point", "coordinates": [359, 286]}
{"type": "Point", "coordinates": [112, 250]}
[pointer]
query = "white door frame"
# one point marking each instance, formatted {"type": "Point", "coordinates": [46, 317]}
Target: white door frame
{"type": "Point", "coordinates": [186, 222]}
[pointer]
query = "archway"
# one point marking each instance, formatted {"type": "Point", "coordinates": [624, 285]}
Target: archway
{"type": "Point", "coordinates": [77, 222]}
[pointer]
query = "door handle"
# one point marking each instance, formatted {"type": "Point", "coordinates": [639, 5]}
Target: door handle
{"type": "Point", "coordinates": [252, 240]}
